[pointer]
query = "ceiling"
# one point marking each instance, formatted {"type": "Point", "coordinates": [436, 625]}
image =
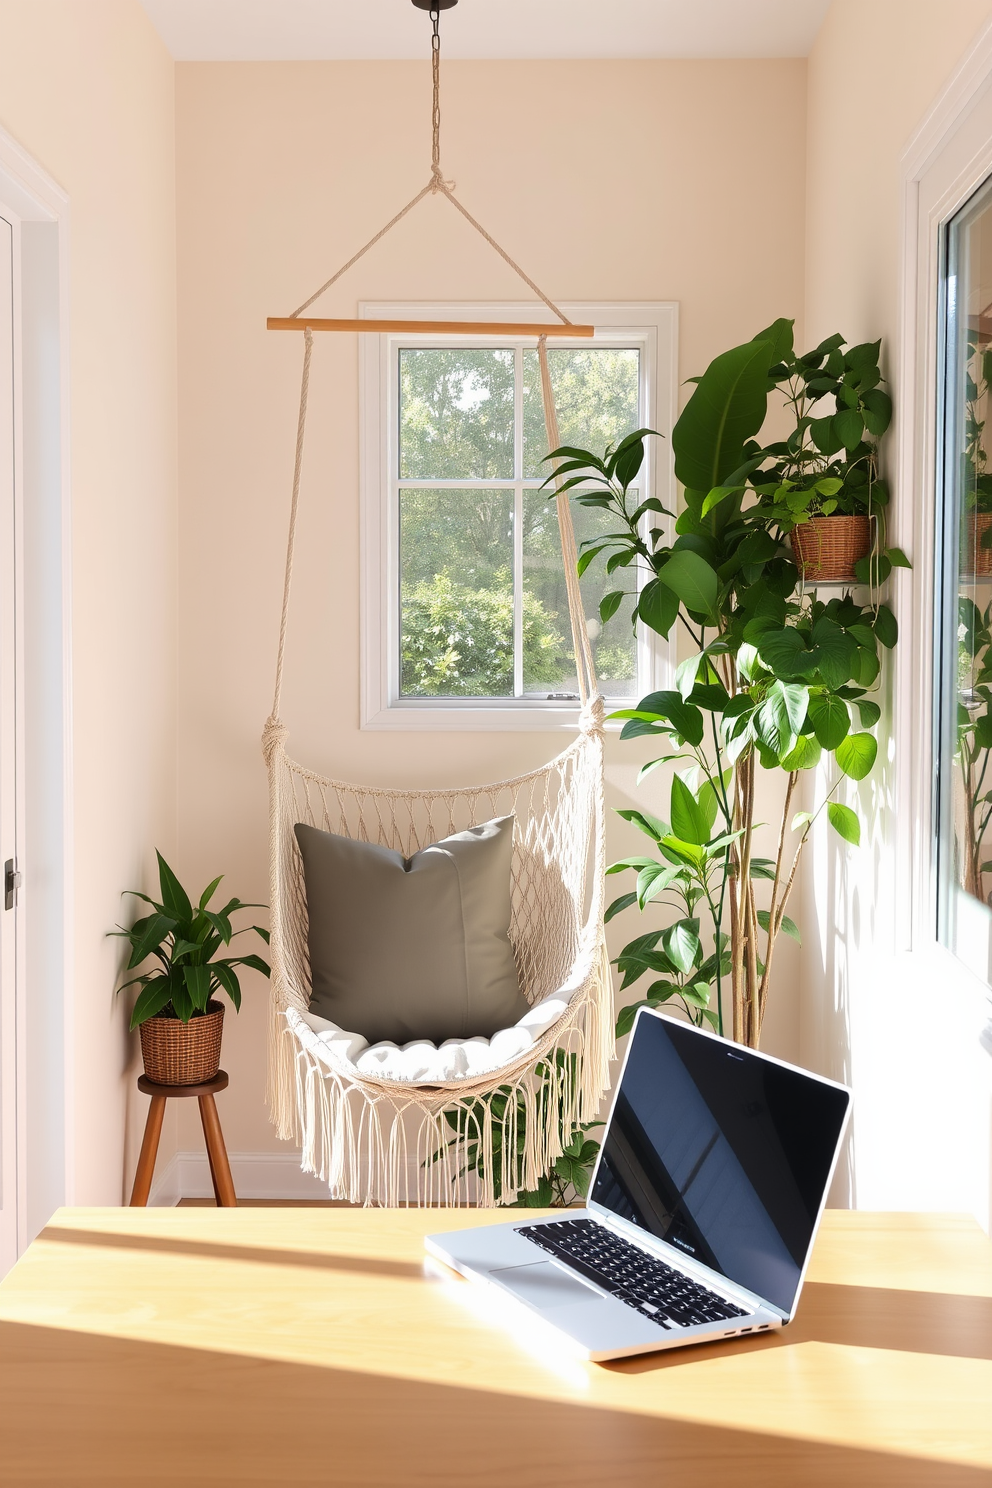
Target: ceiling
{"type": "Point", "coordinates": [314, 30]}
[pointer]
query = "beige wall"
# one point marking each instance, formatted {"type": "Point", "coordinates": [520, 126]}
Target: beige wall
{"type": "Point", "coordinates": [870, 1012]}
{"type": "Point", "coordinates": [623, 181]}
{"type": "Point", "coordinates": [87, 90]}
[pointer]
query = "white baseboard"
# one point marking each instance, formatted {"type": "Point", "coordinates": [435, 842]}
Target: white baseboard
{"type": "Point", "coordinates": [257, 1175]}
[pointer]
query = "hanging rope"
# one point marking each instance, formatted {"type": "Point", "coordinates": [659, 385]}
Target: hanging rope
{"type": "Point", "coordinates": [585, 665]}
{"type": "Point", "coordinates": [301, 429]}
{"type": "Point", "coordinates": [437, 185]}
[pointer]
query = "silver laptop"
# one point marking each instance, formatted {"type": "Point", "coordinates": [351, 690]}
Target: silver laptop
{"type": "Point", "coordinates": [702, 1210]}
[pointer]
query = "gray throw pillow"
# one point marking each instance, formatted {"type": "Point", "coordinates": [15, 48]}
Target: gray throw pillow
{"type": "Point", "coordinates": [412, 948]}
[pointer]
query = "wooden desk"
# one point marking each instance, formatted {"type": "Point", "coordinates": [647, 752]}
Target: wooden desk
{"type": "Point", "coordinates": [274, 1346]}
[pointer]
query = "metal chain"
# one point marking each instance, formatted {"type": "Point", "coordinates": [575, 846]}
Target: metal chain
{"type": "Point", "coordinates": [436, 178]}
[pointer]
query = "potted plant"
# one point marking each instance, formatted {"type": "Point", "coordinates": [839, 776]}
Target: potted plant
{"type": "Point", "coordinates": [821, 490]}
{"type": "Point", "coordinates": [774, 681]}
{"type": "Point", "coordinates": [179, 1021]}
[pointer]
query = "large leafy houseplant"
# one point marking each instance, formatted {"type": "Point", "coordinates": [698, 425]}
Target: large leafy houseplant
{"type": "Point", "coordinates": [777, 678]}
{"type": "Point", "coordinates": [183, 941]}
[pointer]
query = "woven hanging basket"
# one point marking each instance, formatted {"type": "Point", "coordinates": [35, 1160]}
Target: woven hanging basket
{"type": "Point", "coordinates": [177, 1053]}
{"type": "Point", "coordinates": [976, 547]}
{"type": "Point", "coordinates": [827, 548]}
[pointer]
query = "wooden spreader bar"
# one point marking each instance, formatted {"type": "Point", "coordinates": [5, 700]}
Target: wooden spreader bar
{"type": "Point", "coordinates": [431, 327]}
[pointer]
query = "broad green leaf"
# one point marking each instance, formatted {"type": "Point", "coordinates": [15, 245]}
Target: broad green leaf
{"type": "Point", "coordinates": [688, 820]}
{"type": "Point", "coordinates": [708, 801]}
{"type": "Point", "coordinates": [687, 672]}
{"type": "Point", "coordinates": [651, 826]}
{"type": "Point", "coordinates": [801, 819]}
{"type": "Point", "coordinates": [155, 929]}
{"type": "Point", "coordinates": [209, 891]}
{"type": "Point", "coordinates": [684, 852]}
{"type": "Point", "coordinates": [156, 995]}
{"type": "Point", "coordinates": [686, 720]}
{"type": "Point", "coordinates": [174, 897]}
{"type": "Point", "coordinates": [784, 653]}
{"type": "Point", "coordinates": [886, 627]}
{"type": "Point", "coordinates": [749, 665]}
{"type": "Point", "coordinates": [870, 713]}
{"type": "Point", "coordinates": [805, 756]}
{"type": "Point", "coordinates": [834, 653]}
{"type": "Point", "coordinates": [228, 979]}
{"type": "Point", "coordinates": [692, 579]}
{"type": "Point", "coordinates": [849, 427]}
{"type": "Point", "coordinates": [586, 558]}
{"type": "Point", "coordinates": [681, 944]}
{"type": "Point", "coordinates": [653, 880]}
{"type": "Point", "coordinates": [726, 409]}
{"type": "Point", "coordinates": [898, 558]}
{"type": "Point", "coordinates": [868, 667]}
{"type": "Point", "coordinates": [830, 718]}
{"type": "Point", "coordinates": [609, 604]}
{"type": "Point", "coordinates": [844, 823]}
{"type": "Point", "coordinates": [697, 994]}
{"type": "Point", "coordinates": [619, 905]}
{"type": "Point", "coordinates": [197, 979]}
{"type": "Point", "coordinates": [780, 717]}
{"type": "Point", "coordinates": [255, 962]}
{"type": "Point", "coordinates": [788, 927]}
{"type": "Point", "coordinates": [856, 755]}
{"type": "Point", "coordinates": [658, 607]}
{"type": "Point", "coordinates": [220, 923]}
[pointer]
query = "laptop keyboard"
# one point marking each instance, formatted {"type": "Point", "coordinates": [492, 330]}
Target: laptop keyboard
{"type": "Point", "coordinates": [668, 1297]}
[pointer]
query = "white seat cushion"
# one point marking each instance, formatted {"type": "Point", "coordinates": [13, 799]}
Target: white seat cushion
{"type": "Point", "coordinates": [421, 1062]}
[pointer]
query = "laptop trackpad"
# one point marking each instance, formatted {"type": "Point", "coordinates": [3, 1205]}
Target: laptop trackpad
{"type": "Point", "coordinates": [543, 1284]}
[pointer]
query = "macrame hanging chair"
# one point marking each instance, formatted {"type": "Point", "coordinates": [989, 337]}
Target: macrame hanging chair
{"type": "Point", "coordinates": [382, 1125]}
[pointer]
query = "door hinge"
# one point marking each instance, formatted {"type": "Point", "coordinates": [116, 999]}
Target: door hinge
{"type": "Point", "coordinates": [11, 883]}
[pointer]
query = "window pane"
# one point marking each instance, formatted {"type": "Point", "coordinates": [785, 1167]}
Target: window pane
{"type": "Point", "coordinates": [456, 415]}
{"type": "Point", "coordinates": [964, 670]}
{"type": "Point", "coordinates": [549, 661]}
{"type": "Point", "coordinates": [597, 394]}
{"type": "Point", "coordinates": [456, 593]}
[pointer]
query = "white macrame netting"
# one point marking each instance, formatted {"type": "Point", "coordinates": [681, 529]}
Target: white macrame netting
{"type": "Point", "coordinates": [385, 1141]}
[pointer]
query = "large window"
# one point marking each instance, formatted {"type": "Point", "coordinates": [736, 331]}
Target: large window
{"type": "Point", "coordinates": [465, 609]}
{"type": "Point", "coordinates": [964, 557]}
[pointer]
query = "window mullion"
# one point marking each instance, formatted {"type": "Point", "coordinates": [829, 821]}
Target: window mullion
{"type": "Point", "coordinates": [518, 522]}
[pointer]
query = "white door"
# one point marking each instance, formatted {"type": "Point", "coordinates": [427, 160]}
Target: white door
{"type": "Point", "coordinates": [8, 916]}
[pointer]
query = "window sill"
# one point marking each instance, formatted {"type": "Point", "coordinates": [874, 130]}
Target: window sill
{"type": "Point", "coordinates": [480, 717]}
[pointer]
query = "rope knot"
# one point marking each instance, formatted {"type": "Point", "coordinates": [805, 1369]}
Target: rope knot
{"type": "Point", "coordinates": [593, 716]}
{"type": "Point", "coordinates": [438, 183]}
{"type": "Point", "coordinates": [274, 736]}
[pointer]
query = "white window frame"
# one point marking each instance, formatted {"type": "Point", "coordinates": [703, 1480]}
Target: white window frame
{"type": "Point", "coordinates": [945, 163]}
{"type": "Point", "coordinates": [653, 329]}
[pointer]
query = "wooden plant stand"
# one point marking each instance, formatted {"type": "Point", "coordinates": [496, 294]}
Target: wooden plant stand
{"type": "Point", "coordinates": [220, 1168]}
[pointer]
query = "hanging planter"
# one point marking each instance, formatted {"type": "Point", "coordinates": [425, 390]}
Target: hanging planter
{"type": "Point", "coordinates": [177, 1053]}
{"type": "Point", "coordinates": [827, 548]}
{"type": "Point", "coordinates": [976, 545]}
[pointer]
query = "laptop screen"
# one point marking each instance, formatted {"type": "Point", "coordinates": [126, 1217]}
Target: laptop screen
{"type": "Point", "coordinates": [722, 1153]}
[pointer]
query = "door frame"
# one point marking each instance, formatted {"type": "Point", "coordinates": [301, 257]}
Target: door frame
{"type": "Point", "coordinates": [42, 996]}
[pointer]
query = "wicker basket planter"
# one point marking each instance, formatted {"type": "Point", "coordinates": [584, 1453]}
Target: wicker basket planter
{"type": "Point", "coordinates": [177, 1053]}
{"type": "Point", "coordinates": [976, 558]}
{"type": "Point", "coordinates": [827, 548]}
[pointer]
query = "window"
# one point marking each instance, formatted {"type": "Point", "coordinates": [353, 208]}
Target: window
{"type": "Point", "coordinates": [964, 571]}
{"type": "Point", "coordinates": [465, 615]}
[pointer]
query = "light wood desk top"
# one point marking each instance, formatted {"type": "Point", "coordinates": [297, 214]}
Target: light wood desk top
{"type": "Point", "coordinates": [309, 1346]}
